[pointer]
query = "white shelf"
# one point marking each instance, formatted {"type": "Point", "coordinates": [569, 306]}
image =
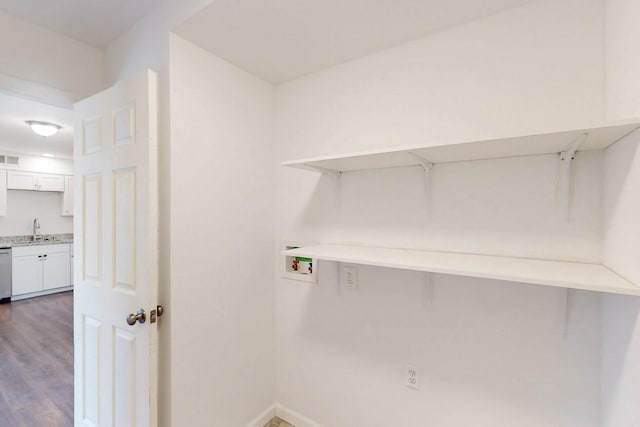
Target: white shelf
{"type": "Point", "coordinates": [597, 138]}
{"type": "Point", "coordinates": [573, 275]}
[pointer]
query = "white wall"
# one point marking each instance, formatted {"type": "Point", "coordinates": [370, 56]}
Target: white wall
{"type": "Point", "coordinates": [535, 68]}
{"type": "Point", "coordinates": [622, 58]}
{"type": "Point", "coordinates": [222, 218]}
{"type": "Point", "coordinates": [489, 353]}
{"type": "Point", "coordinates": [35, 54]}
{"type": "Point", "coordinates": [45, 164]}
{"type": "Point", "coordinates": [146, 45]}
{"type": "Point", "coordinates": [621, 316]}
{"type": "Point", "coordinates": [24, 206]}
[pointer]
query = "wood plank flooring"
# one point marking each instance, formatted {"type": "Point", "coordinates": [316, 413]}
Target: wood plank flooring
{"type": "Point", "coordinates": [36, 362]}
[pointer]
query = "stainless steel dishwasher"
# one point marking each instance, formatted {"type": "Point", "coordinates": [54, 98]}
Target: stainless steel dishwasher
{"type": "Point", "coordinates": [5, 275]}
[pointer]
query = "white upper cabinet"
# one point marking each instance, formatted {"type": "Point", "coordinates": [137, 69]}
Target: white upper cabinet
{"type": "Point", "coordinates": [3, 193]}
{"type": "Point", "coordinates": [17, 180]}
{"type": "Point", "coordinates": [21, 181]}
{"type": "Point", "coordinates": [50, 182]}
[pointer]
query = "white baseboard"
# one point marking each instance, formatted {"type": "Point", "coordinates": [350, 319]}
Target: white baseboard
{"type": "Point", "coordinates": [294, 418]}
{"type": "Point", "coordinates": [41, 293]}
{"type": "Point", "coordinates": [281, 411]}
{"type": "Point", "coordinates": [264, 417]}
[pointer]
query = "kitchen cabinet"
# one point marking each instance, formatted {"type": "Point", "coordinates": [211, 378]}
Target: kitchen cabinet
{"type": "Point", "coordinates": [67, 196]}
{"type": "Point", "coordinates": [3, 193]}
{"type": "Point", "coordinates": [40, 268]}
{"type": "Point", "coordinates": [18, 180]}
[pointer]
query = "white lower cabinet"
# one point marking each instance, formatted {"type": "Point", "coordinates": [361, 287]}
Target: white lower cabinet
{"type": "Point", "coordinates": [40, 268]}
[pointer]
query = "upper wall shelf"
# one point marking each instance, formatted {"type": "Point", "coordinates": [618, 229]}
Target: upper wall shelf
{"type": "Point", "coordinates": [597, 138]}
{"type": "Point", "coordinates": [562, 274]}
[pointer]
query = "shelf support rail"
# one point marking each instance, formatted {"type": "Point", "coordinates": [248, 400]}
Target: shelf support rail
{"type": "Point", "coordinates": [564, 181]}
{"type": "Point", "coordinates": [564, 310]}
{"type": "Point", "coordinates": [427, 166]}
{"type": "Point", "coordinates": [322, 170]}
{"type": "Point", "coordinates": [428, 288]}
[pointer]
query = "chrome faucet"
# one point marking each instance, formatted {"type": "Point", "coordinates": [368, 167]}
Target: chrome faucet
{"type": "Point", "coordinates": [36, 226]}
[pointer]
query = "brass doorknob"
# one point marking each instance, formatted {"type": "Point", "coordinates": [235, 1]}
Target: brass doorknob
{"type": "Point", "coordinates": [140, 316]}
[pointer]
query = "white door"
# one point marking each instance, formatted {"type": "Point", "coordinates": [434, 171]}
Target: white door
{"type": "Point", "coordinates": [115, 235]}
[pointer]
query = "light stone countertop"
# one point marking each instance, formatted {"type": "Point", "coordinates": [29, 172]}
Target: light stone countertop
{"type": "Point", "coordinates": [43, 239]}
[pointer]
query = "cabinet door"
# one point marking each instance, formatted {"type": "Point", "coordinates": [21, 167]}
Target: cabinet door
{"type": "Point", "coordinates": [21, 180]}
{"type": "Point", "coordinates": [26, 274]}
{"type": "Point", "coordinates": [67, 197]}
{"type": "Point", "coordinates": [3, 193]}
{"type": "Point", "coordinates": [50, 182]}
{"type": "Point", "coordinates": [56, 273]}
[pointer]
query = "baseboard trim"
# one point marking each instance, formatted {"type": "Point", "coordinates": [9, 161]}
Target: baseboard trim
{"type": "Point", "coordinates": [292, 417]}
{"type": "Point", "coordinates": [287, 414]}
{"type": "Point", "coordinates": [41, 293]}
{"type": "Point", "coordinates": [264, 417]}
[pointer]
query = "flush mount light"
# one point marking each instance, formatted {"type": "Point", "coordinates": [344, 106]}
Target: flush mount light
{"type": "Point", "coordinates": [48, 155]}
{"type": "Point", "coordinates": [43, 128]}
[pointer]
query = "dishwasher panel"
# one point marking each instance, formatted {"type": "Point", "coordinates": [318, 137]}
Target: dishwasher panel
{"type": "Point", "coordinates": [5, 275]}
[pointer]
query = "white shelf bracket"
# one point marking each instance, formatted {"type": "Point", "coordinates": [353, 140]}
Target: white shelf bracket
{"type": "Point", "coordinates": [564, 310]}
{"type": "Point", "coordinates": [564, 180]}
{"type": "Point", "coordinates": [428, 288]}
{"type": "Point", "coordinates": [427, 166]}
{"type": "Point", "coordinates": [324, 171]}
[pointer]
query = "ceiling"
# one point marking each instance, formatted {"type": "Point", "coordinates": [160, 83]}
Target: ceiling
{"type": "Point", "coordinates": [17, 137]}
{"type": "Point", "coordinates": [96, 22]}
{"type": "Point", "coordinates": [280, 40]}
{"type": "Point", "coordinates": [277, 40]}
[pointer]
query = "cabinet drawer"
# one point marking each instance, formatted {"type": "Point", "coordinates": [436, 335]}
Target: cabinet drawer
{"type": "Point", "coordinates": [40, 249]}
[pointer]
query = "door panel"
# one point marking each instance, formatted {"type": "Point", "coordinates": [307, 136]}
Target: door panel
{"type": "Point", "coordinates": [116, 254]}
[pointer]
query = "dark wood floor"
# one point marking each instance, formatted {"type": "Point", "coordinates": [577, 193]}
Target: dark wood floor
{"type": "Point", "coordinates": [36, 362]}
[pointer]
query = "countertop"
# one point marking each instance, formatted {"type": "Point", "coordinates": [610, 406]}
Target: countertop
{"type": "Point", "coordinates": [43, 239]}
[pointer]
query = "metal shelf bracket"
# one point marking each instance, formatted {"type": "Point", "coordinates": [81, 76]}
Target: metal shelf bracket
{"type": "Point", "coordinates": [429, 288]}
{"type": "Point", "coordinates": [427, 166]}
{"type": "Point", "coordinates": [324, 171]}
{"type": "Point", "coordinates": [564, 310]}
{"type": "Point", "coordinates": [564, 179]}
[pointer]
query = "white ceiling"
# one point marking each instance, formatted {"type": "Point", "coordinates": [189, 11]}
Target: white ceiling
{"type": "Point", "coordinates": [96, 22]}
{"type": "Point", "coordinates": [280, 40]}
{"type": "Point", "coordinates": [17, 137]}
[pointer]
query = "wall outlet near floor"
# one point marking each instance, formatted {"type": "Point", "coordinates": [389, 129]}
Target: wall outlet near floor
{"type": "Point", "coordinates": [349, 277]}
{"type": "Point", "coordinates": [412, 377]}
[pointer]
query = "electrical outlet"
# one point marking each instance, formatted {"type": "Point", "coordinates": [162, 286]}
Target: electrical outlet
{"type": "Point", "coordinates": [412, 377]}
{"type": "Point", "coordinates": [349, 277]}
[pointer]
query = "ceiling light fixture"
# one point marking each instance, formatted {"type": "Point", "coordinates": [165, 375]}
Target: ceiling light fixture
{"type": "Point", "coordinates": [43, 128]}
{"type": "Point", "coordinates": [48, 155]}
